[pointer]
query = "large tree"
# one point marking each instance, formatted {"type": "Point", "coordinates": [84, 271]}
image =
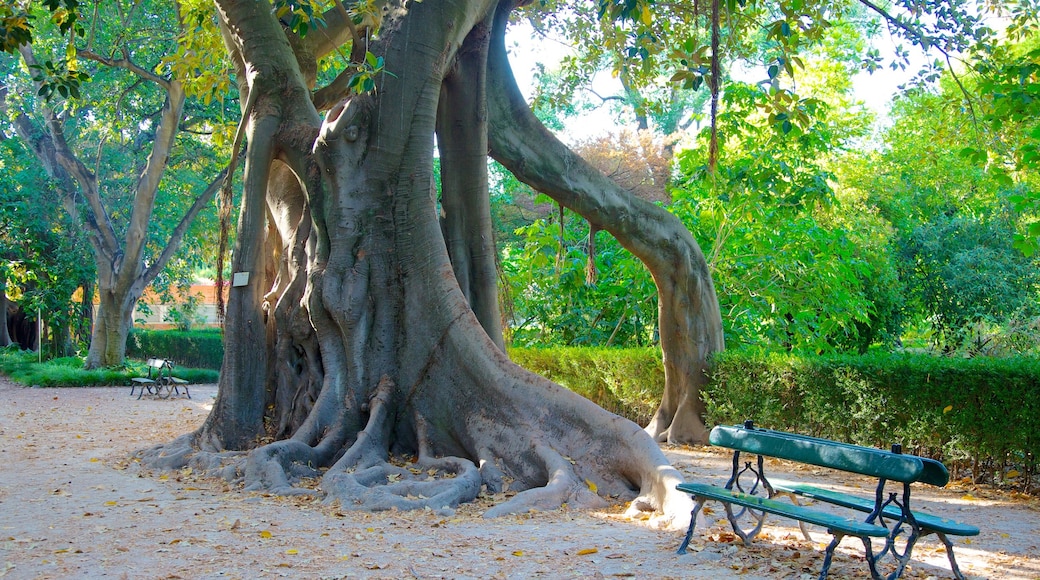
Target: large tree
{"type": "Point", "coordinates": [358, 331]}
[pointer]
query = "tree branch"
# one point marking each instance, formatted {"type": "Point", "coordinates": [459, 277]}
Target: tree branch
{"type": "Point", "coordinates": [124, 63]}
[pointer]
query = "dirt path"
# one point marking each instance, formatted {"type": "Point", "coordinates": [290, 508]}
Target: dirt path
{"type": "Point", "coordinates": [71, 506]}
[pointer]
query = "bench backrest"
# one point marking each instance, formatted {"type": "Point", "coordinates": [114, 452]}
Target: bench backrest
{"type": "Point", "coordinates": [832, 454]}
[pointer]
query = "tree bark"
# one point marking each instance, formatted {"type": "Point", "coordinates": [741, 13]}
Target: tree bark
{"type": "Point", "coordinates": [417, 406]}
{"type": "Point", "coordinates": [688, 309]}
{"type": "Point", "coordinates": [465, 203]}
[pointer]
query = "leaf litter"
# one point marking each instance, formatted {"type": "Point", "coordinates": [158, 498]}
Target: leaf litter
{"type": "Point", "coordinates": [68, 476]}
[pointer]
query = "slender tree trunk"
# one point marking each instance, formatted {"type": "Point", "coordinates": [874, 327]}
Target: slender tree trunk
{"type": "Point", "coordinates": [462, 143]}
{"type": "Point", "coordinates": [5, 334]}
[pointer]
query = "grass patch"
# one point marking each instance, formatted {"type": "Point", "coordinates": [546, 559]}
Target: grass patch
{"type": "Point", "coordinates": [23, 367]}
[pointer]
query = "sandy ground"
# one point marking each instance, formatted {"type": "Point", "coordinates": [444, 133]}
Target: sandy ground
{"type": "Point", "coordinates": [73, 506]}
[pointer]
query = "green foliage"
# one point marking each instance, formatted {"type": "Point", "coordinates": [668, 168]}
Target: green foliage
{"type": "Point", "coordinates": [964, 269]}
{"type": "Point", "coordinates": [43, 254]}
{"type": "Point", "coordinates": [625, 381]}
{"type": "Point", "coordinates": [556, 301]}
{"type": "Point", "coordinates": [980, 411]}
{"type": "Point", "coordinates": [785, 270]}
{"type": "Point", "coordinates": [195, 348]}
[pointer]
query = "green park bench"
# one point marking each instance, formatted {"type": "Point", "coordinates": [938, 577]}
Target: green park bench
{"type": "Point", "coordinates": [160, 380]}
{"type": "Point", "coordinates": [889, 516]}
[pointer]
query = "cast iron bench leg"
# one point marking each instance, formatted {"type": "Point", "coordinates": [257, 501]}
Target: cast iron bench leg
{"type": "Point", "coordinates": [693, 521]}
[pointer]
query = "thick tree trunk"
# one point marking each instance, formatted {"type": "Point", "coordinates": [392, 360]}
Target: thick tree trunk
{"type": "Point", "coordinates": [688, 309]}
{"type": "Point", "coordinates": [111, 327]}
{"type": "Point", "coordinates": [417, 407]}
{"type": "Point", "coordinates": [465, 203]}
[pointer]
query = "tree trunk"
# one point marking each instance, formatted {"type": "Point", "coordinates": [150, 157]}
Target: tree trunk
{"type": "Point", "coordinates": [411, 403]}
{"type": "Point", "coordinates": [5, 334]}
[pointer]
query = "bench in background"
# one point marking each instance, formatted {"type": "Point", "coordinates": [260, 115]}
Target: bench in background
{"type": "Point", "coordinates": [160, 380]}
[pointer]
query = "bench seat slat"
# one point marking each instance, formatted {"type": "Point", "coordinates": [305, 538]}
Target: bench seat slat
{"type": "Point", "coordinates": [926, 521]}
{"type": "Point", "coordinates": [847, 526]}
{"type": "Point", "coordinates": [820, 452]}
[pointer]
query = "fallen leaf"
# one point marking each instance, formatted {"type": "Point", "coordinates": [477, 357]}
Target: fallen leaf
{"type": "Point", "coordinates": [518, 553]}
{"type": "Point", "coordinates": [587, 551]}
{"type": "Point", "coordinates": [592, 486]}
{"type": "Point", "coordinates": [292, 551]}
{"type": "Point", "coordinates": [947, 409]}
{"type": "Point", "coordinates": [266, 534]}
{"type": "Point", "coordinates": [1012, 474]}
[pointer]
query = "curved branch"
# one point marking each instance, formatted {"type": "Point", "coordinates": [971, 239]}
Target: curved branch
{"type": "Point", "coordinates": [126, 64]}
{"type": "Point", "coordinates": [690, 322]}
{"type": "Point", "coordinates": [174, 241]}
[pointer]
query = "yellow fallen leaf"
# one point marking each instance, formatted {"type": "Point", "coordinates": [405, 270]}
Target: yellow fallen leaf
{"type": "Point", "coordinates": [265, 534]}
{"type": "Point", "coordinates": [947, 409]}
{"type": "Point", "coordinates": [518, 553]}
{"type": "Point", "coordinates": [592, 486]}
{"type": "Point", "coordinates": [968, 497]}
{"type": "Point", "coordinates": [587, 551]}
{"type": "Point", "coordinates": [967, 540]}
{"type": "Point", "coordinates": [292, 551]}
{"type": "Point", "coordinates": [110, 503]}
{"type": "Point", "coordinates": [1012, 474]}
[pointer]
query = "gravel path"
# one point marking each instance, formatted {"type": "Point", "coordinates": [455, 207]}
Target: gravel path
{"type": "Point", "coordinates": [73, 506]}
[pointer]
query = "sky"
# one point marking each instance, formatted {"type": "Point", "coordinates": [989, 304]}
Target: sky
{"type": "Point", "coordinates": [527, 48]}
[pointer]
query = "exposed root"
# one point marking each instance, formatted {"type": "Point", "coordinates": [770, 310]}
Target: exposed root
{"type": "Point", "coordinates": [439, 484]}
{"type": "Point", "coordinates": [270, 467]}
{"type": "Point", "coordinates": [563, 487]}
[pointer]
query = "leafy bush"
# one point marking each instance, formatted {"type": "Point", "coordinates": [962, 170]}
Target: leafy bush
{"type": "Point", "coordinates": [625, 381]}
{"type": "Point", "coordinates": [24, 367]}
{"type": "Point", "coordinates": [978, 411]}
{"type": "Point", "coordinates": [192, 348]}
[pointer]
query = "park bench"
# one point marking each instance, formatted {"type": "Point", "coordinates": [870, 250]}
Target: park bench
{"type": "Point", "coordinates": [889, 517]}
{"type": "Point", "coordinates": [160, 380]}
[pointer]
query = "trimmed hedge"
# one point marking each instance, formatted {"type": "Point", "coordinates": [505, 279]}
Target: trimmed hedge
{"type": "Point", "coordinates": [625, 381]}
{"type": "Point", "coordinates": [970, 412]}
{"type": "Point", "coordinates": [192, 348]}
{"type": "Point", "coordinates": [976, 411]}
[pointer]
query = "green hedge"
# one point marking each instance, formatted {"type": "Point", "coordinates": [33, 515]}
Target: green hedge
{"type": "Point", "coordinates": [969, 412]}
{"type": "Point", "coordinates": [625, 381]}
{"type": "Point", "coordinates": [192, 348]}
{"type": "Point", "coordinates": [976, 411]}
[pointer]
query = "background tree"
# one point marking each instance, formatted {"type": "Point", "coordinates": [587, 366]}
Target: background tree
{"type": "Point", "coordinates": [127, 112]}
{"type": "Point", "coordinates": [43, 258]}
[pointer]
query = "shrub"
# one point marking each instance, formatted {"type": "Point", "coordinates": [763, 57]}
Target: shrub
{"type": "Point", "coordinates": [625, 381]}
{"type": "Point", "coordinates": [976, 411]}
{"type": "Point", "coordinates": [202, 348]}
